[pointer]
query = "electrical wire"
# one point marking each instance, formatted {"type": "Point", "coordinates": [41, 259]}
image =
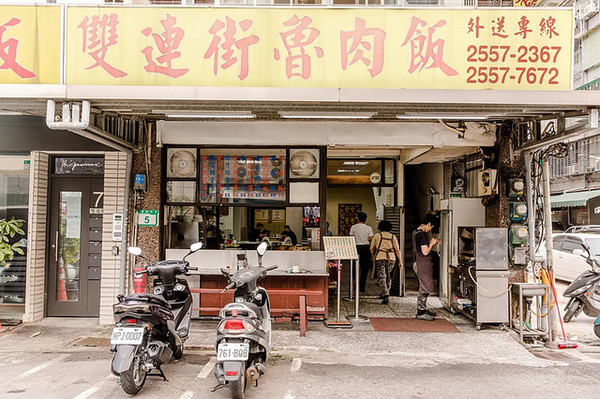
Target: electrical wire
{"type": "Point", "coordinates": [483, 289]}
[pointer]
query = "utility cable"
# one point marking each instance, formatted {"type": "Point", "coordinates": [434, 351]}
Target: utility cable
{"type": "Point", "coordinates": [483, 289]}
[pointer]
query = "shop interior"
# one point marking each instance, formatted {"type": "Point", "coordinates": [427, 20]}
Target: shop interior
{"type": "Point", "coordinates": [249, 195]}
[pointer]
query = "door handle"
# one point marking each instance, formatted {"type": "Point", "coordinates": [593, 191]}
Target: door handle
{"type": "Point", "coordinates": [56, 246]}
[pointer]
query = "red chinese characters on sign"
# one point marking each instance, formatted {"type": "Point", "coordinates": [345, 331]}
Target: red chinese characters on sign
{"type": "Point", "coordinates": [523, 27]}
{"type": "Point", "coordinates": [547, 27]}
{"type": "Point", "coordinates": [167, 44]}
{"type": "Point", "coordinates": [498, 28]}
{"type": "Point", "coordinates": [425, 53]}
{"type": "Point", "coordinates": [8, 52]}
{"type": "Point", "coordinates": [295, 41]}
{"type": "Point", "coordinates": [99, 33]}
{"type": "Point", "coordinates": [360, 47]}
{"type": "Point", "coordinates": [229, 44]}
{"type": "Point", "coordinates": [475, 26]}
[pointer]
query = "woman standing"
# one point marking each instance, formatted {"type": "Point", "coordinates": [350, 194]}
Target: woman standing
{"type": "Point", "coordinates": [385, 250]}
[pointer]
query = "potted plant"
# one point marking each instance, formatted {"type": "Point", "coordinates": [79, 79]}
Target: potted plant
{"type": "Point", "coordinates": [9, 231]}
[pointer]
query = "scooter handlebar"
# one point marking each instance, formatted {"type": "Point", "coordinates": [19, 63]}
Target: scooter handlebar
{"type": "Point", "coordinates": [230, 285]}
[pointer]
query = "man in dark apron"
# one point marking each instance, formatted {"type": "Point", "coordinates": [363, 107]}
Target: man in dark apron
{"type": "Point", "coordinates": [424, 265]}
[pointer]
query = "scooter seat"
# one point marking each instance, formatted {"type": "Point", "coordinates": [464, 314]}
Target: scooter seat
{"type": "Point", "coordinates": [144, 297]}
{"type": "Point", "coordinates": [243, 309]}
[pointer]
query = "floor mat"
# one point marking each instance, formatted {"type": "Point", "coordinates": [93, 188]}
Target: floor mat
{"type": "Point", "coordinates": [412, 325]}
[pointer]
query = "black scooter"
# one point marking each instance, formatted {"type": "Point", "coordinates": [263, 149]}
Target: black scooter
{"type": "Point", "coordinates": [152, 328]}
{"type": "Point", "coordinates": [584, 291]}
{"type": "Point", "coordinates": [244, 331]}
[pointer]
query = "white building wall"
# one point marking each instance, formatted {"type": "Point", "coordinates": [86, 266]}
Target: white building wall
{"type": "Point", "coordinates": [37, 236]}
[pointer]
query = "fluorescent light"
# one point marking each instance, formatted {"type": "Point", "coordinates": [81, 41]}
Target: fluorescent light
{"type": "Point", "coordinates": [357, 163]}
{"type": "Point", "coordinates": [325, 115]}
{"type": "Point", "coordinates": [206, 114]}
{"type": "Point", "coordinates": [441, 116]}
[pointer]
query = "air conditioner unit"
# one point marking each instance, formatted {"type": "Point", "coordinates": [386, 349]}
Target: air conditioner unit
{"type": "Point", "coordinates": [589, 10]}
{"type": "Point", "coordinates": [486, 182]}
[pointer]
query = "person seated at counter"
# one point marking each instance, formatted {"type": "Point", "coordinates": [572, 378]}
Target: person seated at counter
{"type": "Point", "coordinates": [257, 233]}
{"type": "Point", "coordinates": [264, 236]}
{"type": "Point", "coordinates": [287, 235]}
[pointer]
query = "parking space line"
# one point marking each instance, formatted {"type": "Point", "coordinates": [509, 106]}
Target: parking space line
{"type": "Point", "coordinates": [87, 393]}
{"type": "Point", "coordinates": [207, 368]}
{"type": "Point", "coordinates": [44, 365]}
{"type": "Point", "coordinates": [187, 395]}
{"type": "Point", "coordinates": [296, 364]}
{"type": "Point", "coordinates": [288, 396]}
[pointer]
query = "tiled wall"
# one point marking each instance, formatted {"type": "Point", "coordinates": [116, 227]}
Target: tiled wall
{"type": "Point", "coordinates": [115, 180]}
{"type": "Point", "coordinates": [36, 234]}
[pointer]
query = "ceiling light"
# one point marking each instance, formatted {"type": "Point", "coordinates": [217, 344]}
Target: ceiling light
{"type": "Point", "coordinates": [206, 114]}
{"type": "Point", "coordinates": [357, 163]}
{"type": "Point", "coordinates": [325, 115]}
{"type": "Point", "coordinates": [452, 116]}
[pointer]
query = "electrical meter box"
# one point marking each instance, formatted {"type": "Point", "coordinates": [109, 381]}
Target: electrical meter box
{"type": "Point", "coordinates": [517, 235]}
{"type": "Point", "coordinates": [140, 182]}
{"type": "Point", "coordinates": [486, 182]}
{"type": "Point", "coordinates": [517, 212]}
{"type": "Point", "coordinates": [516, 188]}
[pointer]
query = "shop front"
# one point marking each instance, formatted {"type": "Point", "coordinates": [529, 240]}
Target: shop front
{"type": "Point", "coordinates": [237, 143]}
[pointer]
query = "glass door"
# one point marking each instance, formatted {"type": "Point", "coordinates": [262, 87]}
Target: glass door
{"type": "Point", "coordinates": [74, 264]}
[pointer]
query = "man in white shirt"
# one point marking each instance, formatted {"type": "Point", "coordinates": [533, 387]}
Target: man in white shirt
{"type": "Point", "coordinates": [363, 234]}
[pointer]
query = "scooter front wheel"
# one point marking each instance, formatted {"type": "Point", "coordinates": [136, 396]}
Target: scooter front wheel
{"type": "Point", "coordinates": [572, 309]}
{"type": "Point", "coordinates": [132, 381]}
{"type": "Point", "coordinates": [237, 387]}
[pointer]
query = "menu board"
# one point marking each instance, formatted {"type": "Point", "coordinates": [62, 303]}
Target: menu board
{"type": "Point", "coordinates": [243, 176]}
{"type": "Point", "coordinates": [340, 247]}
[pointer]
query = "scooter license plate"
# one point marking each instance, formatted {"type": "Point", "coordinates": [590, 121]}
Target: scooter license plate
{"type": "Point", "coordinates": [127, 336]}
{"type": "Point", "coordinates": [232, 351]}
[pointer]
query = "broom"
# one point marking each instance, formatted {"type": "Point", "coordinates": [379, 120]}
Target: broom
{"type": "Point", "coordinates": [565, 344]}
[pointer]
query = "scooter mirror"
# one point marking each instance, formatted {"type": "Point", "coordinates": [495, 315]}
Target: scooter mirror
{"type": "Point", "coordinates": [195, 246]}
{"type": "Point", "coordinates": [262, 248]}
{"type": "Point", "coordinates": [137, 251]}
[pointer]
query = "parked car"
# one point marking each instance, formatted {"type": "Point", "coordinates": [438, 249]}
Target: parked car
{"type": "Point", "coordinates": [569, 255]}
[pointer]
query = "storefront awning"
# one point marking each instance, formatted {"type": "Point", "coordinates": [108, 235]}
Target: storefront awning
{"type": "Point", "coordinates": [572, 199]}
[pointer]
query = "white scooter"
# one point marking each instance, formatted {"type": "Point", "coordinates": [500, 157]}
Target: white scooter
{"type": "Point", "coordinates": [244, 331]}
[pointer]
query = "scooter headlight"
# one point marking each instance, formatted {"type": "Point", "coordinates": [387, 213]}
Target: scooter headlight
{"type": "Point", "coordinates": [159, 289]}
{"type": "Point", "coordinates": [579, 291]}
{"type": "Point", "coordinates": [179, 287]}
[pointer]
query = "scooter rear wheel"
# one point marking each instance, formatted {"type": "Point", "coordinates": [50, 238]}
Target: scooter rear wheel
{"type": "Point", "coordinates": [571, 310]}
{"type": "Point", "coordinates": [597, 330]}
{"type": "Point", "coordinates": [132, 381]}
{"type": "Point", "coordinates": [237, 388]}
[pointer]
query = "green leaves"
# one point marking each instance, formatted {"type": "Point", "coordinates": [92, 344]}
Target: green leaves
{"type": "Point", "coordinates": [8, 230]}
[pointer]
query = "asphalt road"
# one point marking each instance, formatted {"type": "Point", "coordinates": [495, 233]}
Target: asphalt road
{"type": "Point", "coordinates": [86, 374]}
{"type": "Point", "coordinates": [69, 359]}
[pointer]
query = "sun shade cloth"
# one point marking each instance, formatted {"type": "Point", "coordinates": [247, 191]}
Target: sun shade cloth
{"type": "Point", "coordinates": [572, 199]}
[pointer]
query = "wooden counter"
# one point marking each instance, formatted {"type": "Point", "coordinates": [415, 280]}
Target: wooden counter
{"type": "Point", "coordinates": [287, 291]}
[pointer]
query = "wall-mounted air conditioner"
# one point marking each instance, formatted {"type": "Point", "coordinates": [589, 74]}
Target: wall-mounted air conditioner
{"type": "Point", "coordinates": [590, 9]}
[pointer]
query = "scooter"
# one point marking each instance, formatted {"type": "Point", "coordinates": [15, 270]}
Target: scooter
{"type": "Point", "coordinates": [584, 291]}
{"type": "Point", "coordinates": [244, 330]}
{"type": "Point", "coordinates": [150, 329]}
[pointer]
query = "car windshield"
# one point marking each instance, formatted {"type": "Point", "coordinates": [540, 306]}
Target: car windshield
{"type": "Point", "coordinates": [594, 244]}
